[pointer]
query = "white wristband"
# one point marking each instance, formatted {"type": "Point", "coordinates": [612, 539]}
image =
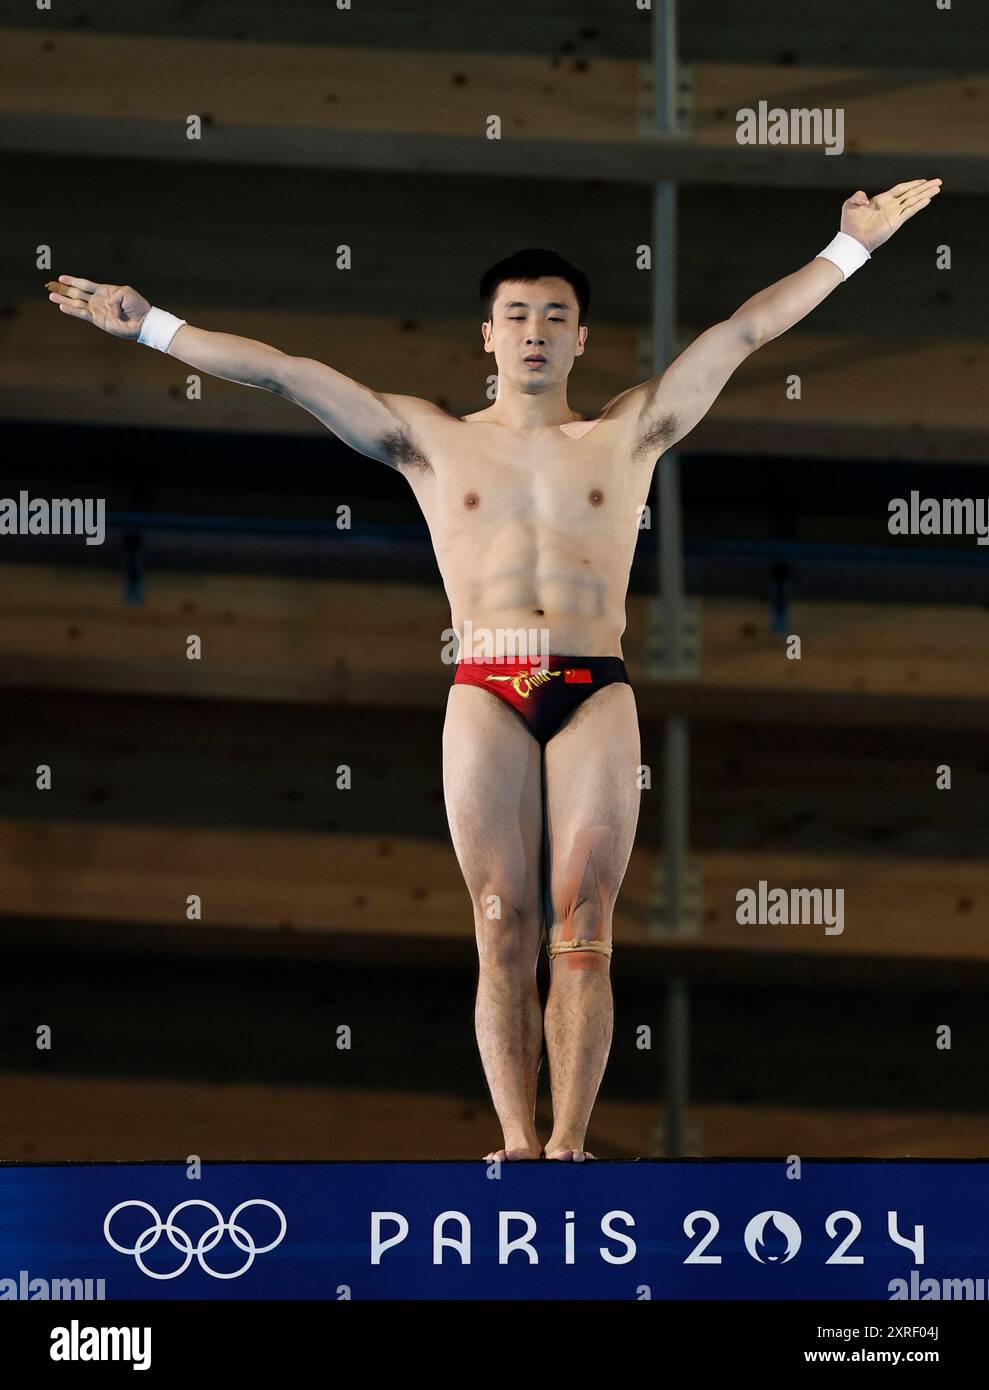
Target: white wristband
{"type": "Point", "coordinates": [158, 329]}
{"type": "Point", "coordinates": [846, 252]}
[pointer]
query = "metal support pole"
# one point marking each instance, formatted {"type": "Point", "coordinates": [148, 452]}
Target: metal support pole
{"type": "Point", "coordinates": [676, 1042]}
{"type": "Point", "coordinates": [669, 551]}
{"type": "Point", "coordinates": [673, 635]}
{"type": "Point", "coordinates": [664, 64]}
{"type": "Point", "coordinates": [669, 546]}
{"type": "Point", "coordinates": [676, 749]}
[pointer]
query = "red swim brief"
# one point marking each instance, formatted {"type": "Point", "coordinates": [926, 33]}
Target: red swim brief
{"type": "Point", "coordinates": [544, 695]}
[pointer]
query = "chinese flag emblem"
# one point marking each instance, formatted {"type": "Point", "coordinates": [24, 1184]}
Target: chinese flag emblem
{"type": "Point", "coordinates": [577, 675]}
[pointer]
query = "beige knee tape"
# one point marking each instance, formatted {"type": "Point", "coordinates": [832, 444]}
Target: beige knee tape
{"type": "Point", "coordinates": [553, 948]}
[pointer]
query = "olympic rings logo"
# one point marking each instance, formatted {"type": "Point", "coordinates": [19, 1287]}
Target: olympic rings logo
{"type": "Point", "coordinates": [207, 1241]}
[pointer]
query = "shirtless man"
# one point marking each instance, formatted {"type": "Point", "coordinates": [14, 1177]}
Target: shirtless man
{"type": "Point", "coordinates": [533, 514]}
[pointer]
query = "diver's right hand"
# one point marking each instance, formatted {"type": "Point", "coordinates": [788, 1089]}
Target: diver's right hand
{"type": "Point", "coordinates": [117, 309]}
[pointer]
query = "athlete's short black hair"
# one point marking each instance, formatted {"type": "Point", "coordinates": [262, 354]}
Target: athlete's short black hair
{"type": "Point", "coordinates": [536, 263]}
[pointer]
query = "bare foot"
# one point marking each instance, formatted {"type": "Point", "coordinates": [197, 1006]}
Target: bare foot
{"type": "Point", "coordinates": [570, 1155]}
{"type": "Point", "coordinates": [511, 1155]}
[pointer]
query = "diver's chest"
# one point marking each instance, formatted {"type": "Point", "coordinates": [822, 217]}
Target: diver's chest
{"type": "Point", "coordinates": [544, 490]}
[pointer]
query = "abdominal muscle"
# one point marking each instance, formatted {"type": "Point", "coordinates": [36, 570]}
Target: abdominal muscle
{"type": "Point", "coordinates": [524, 636]}
{"type": "Point", "coordinates": [525, 609]}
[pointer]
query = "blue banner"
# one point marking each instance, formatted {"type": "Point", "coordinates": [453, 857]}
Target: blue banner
{"type": "Point", "coordinates": [696, 1229]}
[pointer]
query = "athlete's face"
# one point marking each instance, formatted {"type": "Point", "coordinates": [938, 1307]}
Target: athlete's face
{"type": "Point", "coordinates": [533, 332]}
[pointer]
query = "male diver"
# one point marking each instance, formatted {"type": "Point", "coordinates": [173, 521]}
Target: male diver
{"type": "Point", "coordinates": [533, 513]}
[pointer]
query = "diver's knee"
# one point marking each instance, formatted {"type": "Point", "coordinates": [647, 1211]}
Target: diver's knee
{"type": "Point", "coordinates": [582, 936]}
{"type": "Point", "coordinates": [505, 929]}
